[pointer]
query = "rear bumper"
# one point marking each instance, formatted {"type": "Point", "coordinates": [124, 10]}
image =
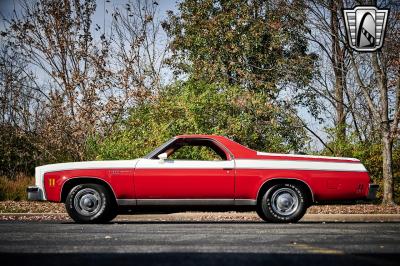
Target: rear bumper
{"type": "Point", "coordinates": [34, 193]}
{"type": "Point", "coordinates": [373, 188]}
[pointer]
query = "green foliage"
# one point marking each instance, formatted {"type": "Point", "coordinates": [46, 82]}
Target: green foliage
{"type": "Point", "coordinates": [258, 45]}
{"type": "Point", "coordinates": [198, 108]}
{"type": "Point", "coordinates": [200, 153]}
{"type": "Point", "coordinates": [14, 188]}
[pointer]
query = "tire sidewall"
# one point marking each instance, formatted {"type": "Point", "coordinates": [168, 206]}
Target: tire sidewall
{"type": "Point", "coordinates": [96, 218]}
{"type": "Point", "coordinates": [271, 215]}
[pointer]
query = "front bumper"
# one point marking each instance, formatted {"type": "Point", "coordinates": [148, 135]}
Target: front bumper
{"type": "Point", "coordinates": [34, 193]}
{"type": "Point", "coordinates": [373, 188]}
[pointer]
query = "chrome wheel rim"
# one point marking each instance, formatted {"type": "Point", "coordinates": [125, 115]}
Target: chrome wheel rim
{"type": "Point", "coordinates": [87, 202]}
{"type": "Point", "coordinates": [284, 201]}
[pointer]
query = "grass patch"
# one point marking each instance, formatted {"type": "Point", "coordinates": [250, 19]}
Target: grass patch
{"type": "Point", "coordinates": [15, 188]}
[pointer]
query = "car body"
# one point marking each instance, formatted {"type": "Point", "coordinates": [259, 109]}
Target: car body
{"type": "Point", "coordinates": [279, 187]}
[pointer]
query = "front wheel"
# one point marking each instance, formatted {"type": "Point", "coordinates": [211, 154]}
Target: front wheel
{"type": "Point", "coordinates": [283, 203]}
{"type": "Point", "coordinates": [90, 203]}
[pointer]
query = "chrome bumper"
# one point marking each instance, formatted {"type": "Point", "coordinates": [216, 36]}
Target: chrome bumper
{"type": "Point", "coordinates": [372, 191]}
{"type": "Point", "coordinates": [34, 193]}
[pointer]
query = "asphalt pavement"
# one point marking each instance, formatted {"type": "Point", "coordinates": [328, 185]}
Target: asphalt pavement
{"type": "Point", "coordinates": [199, 243]}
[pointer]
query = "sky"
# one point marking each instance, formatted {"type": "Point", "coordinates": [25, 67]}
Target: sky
{"type": "Point", "coordinates": [7, 7]}
{"type": "Point", "coordinates": [101, 17]}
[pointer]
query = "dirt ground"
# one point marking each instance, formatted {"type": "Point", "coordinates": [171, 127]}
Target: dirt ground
{"type": "Point", "coordinates": [48, 207]}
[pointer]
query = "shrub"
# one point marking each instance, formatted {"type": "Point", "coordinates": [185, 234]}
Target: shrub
{"type": "Point", "coordinates": [15, 188]}
{"type": "Point", "coordinates": [193, 107]}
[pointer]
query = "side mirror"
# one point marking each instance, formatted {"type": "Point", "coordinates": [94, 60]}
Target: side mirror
{"type": "Point", "coordinates": [163, 156]}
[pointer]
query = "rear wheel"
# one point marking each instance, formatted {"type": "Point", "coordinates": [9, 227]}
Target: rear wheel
{"type": "Point", "coordinates": [90, 203]}
{"type": "Point", "coordinates": [283, 203]}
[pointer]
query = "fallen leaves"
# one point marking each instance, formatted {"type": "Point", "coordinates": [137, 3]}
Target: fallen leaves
{"type": "Point", "coordinates": [51, 207]}
{"type": "Point", "coordinates": [48, 211]}
{"type": "Point", "coordinates": [354, 209]}
{"type": "Point", "coordinates": [10, 206]}
{"type": "Point", "coordinates": [36, 217]}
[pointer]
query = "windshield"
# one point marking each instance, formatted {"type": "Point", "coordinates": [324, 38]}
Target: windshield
{"type": "Point", "coordinates": [158, 149]}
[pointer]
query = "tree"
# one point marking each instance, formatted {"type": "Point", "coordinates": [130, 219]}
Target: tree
{"type": "Point", "coordinates": [83, 80]}
{"type": "Point", "coordinates": [378, 77]}
{"type": "Point", "coordinates": [19, 111]}
{"type": "Point", "coordinates": [338, 62]}
{"type": "Point", "coordinates": [198, 107]}
{"type": "Point", "coordinates": [258, 45]}
{"type": "Point", "coordinates": [138, 48]}
{"type": "Point", "coordinates": [327, 36]}
{"type": "Point", "coordinates": [54, 38]}
{"type": "Point", "coordinates": [365, 85]}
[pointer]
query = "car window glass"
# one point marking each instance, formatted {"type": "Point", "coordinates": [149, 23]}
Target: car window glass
{"type": "Point", "coordinates": [201, 153]}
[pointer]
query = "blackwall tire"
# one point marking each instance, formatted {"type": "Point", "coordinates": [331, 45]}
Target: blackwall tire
{"type": "Point", "coordinates": [261, 213]}
{"type": "Point", "coordinates": [283, 203]}
{"type": "Point", "coordinates": [90, 203]}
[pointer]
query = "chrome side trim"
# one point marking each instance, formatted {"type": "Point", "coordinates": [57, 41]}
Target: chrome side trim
{"type": "Point", "coordinates": [244, 202]}
{"type": "Point", "coordinates": [126, 202]}
{"type": "Point", "coordinates": [183, 202]}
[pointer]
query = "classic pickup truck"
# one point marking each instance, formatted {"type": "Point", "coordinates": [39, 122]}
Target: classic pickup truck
{"type": "Point", "coordinates": [192, 172]}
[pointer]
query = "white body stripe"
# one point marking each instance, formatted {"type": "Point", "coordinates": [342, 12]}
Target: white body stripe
{"type": "Point", "coordinates": [189, 164]}
{"type": "Point", "coordinates": [183, 164]}
{"type": "Point", "coordinates": [299, 165]}
{"type": "Point", "coordinates": [41, 170]}
{"type": "Point", "coordinates": [89, 165]}
{"type": "Point", "coordinates": [307, 156]}
{"type": "Point", "coordinates": [251, 164]}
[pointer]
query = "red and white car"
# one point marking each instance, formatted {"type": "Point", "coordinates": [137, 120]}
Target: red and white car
{"type": "Point", "coordinates": [280, 187]}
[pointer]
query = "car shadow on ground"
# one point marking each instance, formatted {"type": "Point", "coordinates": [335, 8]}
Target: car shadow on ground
{"type": "Point", "coordinates": [194, 258]}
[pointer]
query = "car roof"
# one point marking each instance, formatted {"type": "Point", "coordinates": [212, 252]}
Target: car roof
{"type": "Point", "coordinates": [197, 136]}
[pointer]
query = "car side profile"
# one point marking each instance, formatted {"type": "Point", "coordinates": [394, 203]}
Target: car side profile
{"type": "Point", "coordinates": [197, 172]}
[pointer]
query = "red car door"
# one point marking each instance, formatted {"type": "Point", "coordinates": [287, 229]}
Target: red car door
{"type": "Point", "coordinates": [184, 180]}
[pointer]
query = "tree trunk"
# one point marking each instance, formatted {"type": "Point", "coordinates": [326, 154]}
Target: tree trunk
{"type": "Point", "coordinates": [337, 63]}
{"type": "Point", "coordinates": [387, 140]}
{"type": "Point", "coordinates": [387, 149]}
{"type": "Point", "coordinates": [340, 115]}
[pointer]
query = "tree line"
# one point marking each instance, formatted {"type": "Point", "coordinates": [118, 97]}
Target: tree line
{"type": "Point", "coordinates": [260, 72]}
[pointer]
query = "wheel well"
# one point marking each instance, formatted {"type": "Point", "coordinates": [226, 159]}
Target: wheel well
{"type": "Point", "coordinates": [69, 184]}
{"type": "Point", "coordinates": [272, 182]}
